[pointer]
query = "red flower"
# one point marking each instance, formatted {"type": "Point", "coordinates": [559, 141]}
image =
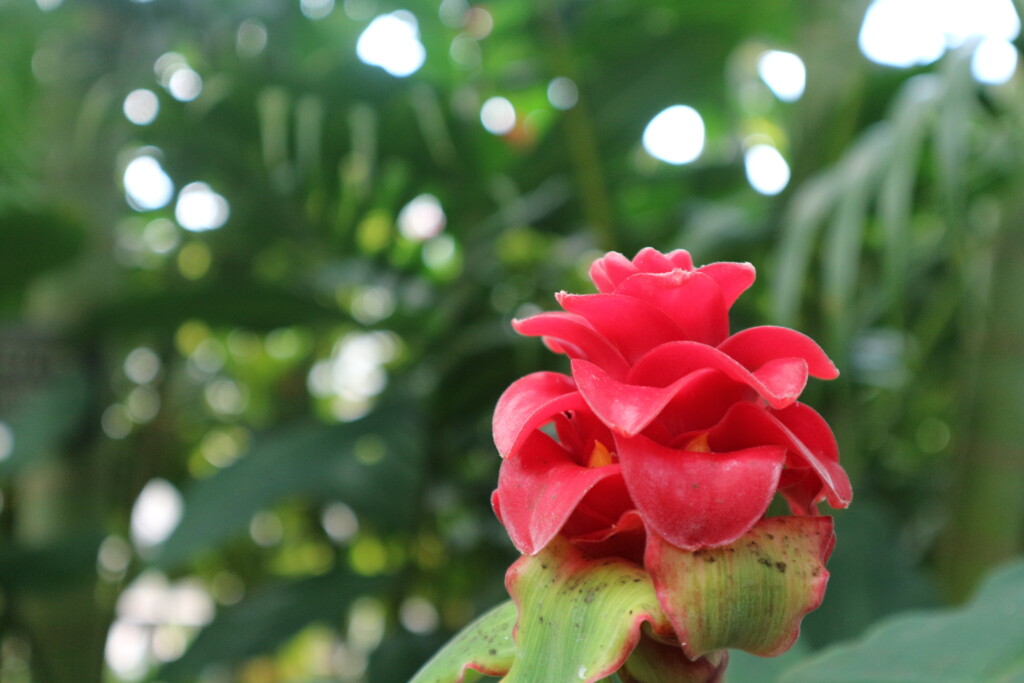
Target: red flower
{"type": "Point", "coordinates": [668, 425]}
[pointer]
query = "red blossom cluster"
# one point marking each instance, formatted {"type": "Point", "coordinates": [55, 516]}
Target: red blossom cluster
{"type": "Point", "coordinates": [669, 427]}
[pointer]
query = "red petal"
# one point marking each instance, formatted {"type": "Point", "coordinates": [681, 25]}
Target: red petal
{"type": "Point", "coordinates": [633, 326]}
{"type": "Point", "coordinates": [625, 408]}
{"type": "Point", "coordinates": [693, 300]}
{"type": "Point", "coordinates": [732, 278]}
{"type": "Point", "coordinates": [575, 337]}
{"type": "Point", "coordinates": [650, 260]}
{"type": "Point", "coordinates": [797, 428]}
{"type": "Point", "coordinates": [707, 398]}
{"type": "Point", "coordinates": [695, 500]}
{"type": "Point", "coordinates": [680, 258]}
{"type": "Point", "coordinates": [625, 538]}
{"type": "Point", "coordinates": [607, 272]}
{"type": "Point", "coordinates": [820, 450]}
{"type": "Point", "coordinates": [530, 402]}
{"type": "Point", "coordinates": [802, 488]}
{"type": "Point", "coordinates": [539, 488]}
{"type": "Point", "coordinates": [779, 382]}
{"type": "Point", "coordinates": [756, 346]}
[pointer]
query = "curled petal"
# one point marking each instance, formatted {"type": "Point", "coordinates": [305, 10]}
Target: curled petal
{"type": "Point", "coordinates": [697, 499]}
{"type": "Point", "coordinates": [691, 299]}
{"type": "Point", "coordinates": [625, 538]}
{"type": "Point", "coordinates": [756, 346]}
{"type": "Point", "coordinates": [633, 326]}
{"type": "Point", "coordinates": [779, 382]}
{"type": "Point", "coordinates": [701, 405]}
{"type": "Point", "coordinates": [650, 260]}
{"type": "Point", "coordinates": [801, 431]}
{"type": "Point", "coordinates": [802, 489]}
{"type": "Point", "coordinates": [575, 337]}
{"type": "Point", "coordinates": [631, 408]}
{"type": "Point", "coordinates": [680, 258]}
{"type": "Point", "coordinates": [732, 278]}
{"type": "Point", "coordinates": [607, 272]}
{"type": "Point", "coordinates": [539, 488]}
{"type": "Point", "coordinates": [820, 450]}
{"type": "Point", "coordinates": [625, 408]}
{"type": "Point", "coordinates": [530, 402]}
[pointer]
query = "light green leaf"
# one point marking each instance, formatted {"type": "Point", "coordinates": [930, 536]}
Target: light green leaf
{"type": "Point", "coordinates": [579, 618]}
{"type": "Point", "coordinates": [807, 212]}
{"type": "Point", "coordinates": [982, 641]}
{"type": "Point", "coordinates": [485, 645]}
{"type": "Point", "coordinates": [749, 595]}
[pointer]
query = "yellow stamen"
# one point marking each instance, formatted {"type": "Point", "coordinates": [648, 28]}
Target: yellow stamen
{"type": "Point", "coordinates": [600, 456]}
{"type": "Point", "coordinates": [699, 444]}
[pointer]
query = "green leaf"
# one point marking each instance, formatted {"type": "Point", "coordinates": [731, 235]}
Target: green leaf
{"type": "Point", "coordinates": [749, 595]}
{"type": "Point", "coordinates": [843, 245]}
{"type": "Point", "coordinates": [806, 214]}
{"type": "Point", "coordinates": [262, 622]}
{"type": "Point", "coordinates": [45, 419]}
{"type": "Point", "coordinates": [372, 465]}
{"type": "Point", "coordinates": [747, 668]}
{"type": "Point", "coordinates": [485, 645]}
{"type": "Point", "coordinates": [69, 560]}
{"type": "Point", "coordinates": [982, 641]}
{"type": "Point", "coordinates": [239, 303]}
{"type": "Point", "coordinates": [35, 240]}
{"type": "Point", "coordinates": [579, 618]}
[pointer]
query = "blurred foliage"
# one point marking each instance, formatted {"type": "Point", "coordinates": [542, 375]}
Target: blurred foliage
{"type": "Point", "coordinates": [318, 383]}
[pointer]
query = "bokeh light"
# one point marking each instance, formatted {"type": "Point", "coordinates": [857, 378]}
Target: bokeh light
{"type": "Point", "coordinates": [392, 42]}
{"type": "Point", "coordinates": [905, 33]}
{"type": "Point", "coordinates": [316, 9]}
{"type": "Point", "coordinates": [156, 513]}
{"type": "Point", "coordinates": [994, 61]}
{"type": "Point", "coordinates": [767, 170]}
{"type": "Point", "coordinates": [6, 441]}
{"type": "Point", "coordinates": [675, 135]}
{"type": "Point", "coordinates": [563, 93]}
{"type": "Point", "coordinates": [784, 73]}
{"type": "Point", "coordinates": [422, 218]}
{"type": "Point", "coordinates": [199, 208]}
{"type": "Point", "coordinates": [498, 116]}
{"type": "Point", "coordinates": [251, 38]}
{"type": "Point", "coordinates": [141, 107]}
{"type": "Point", "coordinates": [146, 184]}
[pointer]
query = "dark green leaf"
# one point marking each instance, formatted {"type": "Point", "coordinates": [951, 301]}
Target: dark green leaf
{"type": "Point", "coordinates": [44, 420]}
{"type": "Point", "coordinates": [373, 465]}
{"type": "Point", "coordinates": [262, 622]}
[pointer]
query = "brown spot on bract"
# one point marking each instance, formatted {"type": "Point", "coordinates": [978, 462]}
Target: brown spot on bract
{"type": "Point", "coordinates": [781, 566]}
{"type": "Point", "coordinates": [764, 561]}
